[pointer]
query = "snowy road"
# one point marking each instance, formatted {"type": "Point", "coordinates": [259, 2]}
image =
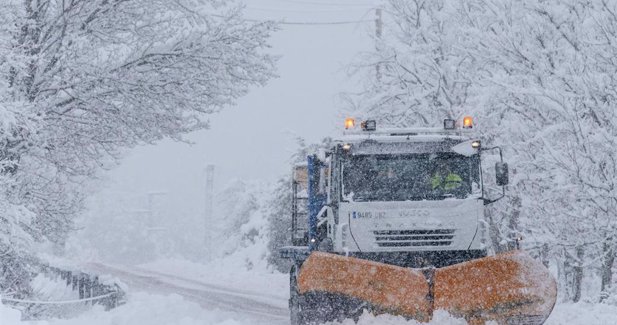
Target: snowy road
{"type": "Point", "coordinates": [255, 307]}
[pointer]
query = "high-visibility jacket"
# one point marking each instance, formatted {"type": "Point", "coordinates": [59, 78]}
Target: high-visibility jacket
{"type": "Point", "coordinates": [452, 181]}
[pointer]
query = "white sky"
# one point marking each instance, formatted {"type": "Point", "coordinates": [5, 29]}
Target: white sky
{"type": "Point", "coordinates": [254, 139]}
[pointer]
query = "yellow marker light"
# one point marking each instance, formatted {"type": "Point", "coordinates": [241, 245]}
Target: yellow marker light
{"type": "Point", "coordinates": [467, 122]}
{"type": "Point", "coordinates": [350, 123]}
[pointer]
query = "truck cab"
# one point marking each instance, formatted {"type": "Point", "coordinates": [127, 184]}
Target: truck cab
{"type": "Point", "coordinates": [408, 197]}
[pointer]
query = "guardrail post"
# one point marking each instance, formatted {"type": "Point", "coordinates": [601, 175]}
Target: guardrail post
{"type": "Point", "coordinates": [88, 288]}
{"type": "Point", "coordinates": [113, 299]}
{"type": "Point", "coordinates": [75, 281]}
{"type": "Point", "coordinates": [96, 288]}
{"type": "Point", "coordinates": [81, 286]}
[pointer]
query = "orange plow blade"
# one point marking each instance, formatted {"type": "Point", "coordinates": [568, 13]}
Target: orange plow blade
{"type": "Point", "coordinates": [510, 288]}
{"type": "Point", "coordinates": [384, 287]}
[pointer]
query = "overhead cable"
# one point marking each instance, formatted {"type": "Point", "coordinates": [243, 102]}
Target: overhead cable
{"type": "Point", "coordinates": [299, 10]}
{"type": "Point", "coordinates": [324, 22]}
{"type": "Point", "coordinates": [330, 4]}
{"type": "Point", "coordinates": [283, 22]}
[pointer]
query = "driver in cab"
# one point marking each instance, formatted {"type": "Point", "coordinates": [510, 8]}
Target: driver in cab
{"type": "Point", "coordinates": [444, 179]}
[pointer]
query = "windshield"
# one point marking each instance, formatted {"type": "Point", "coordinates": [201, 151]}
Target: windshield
{"type": "Point", "coordinates": [409, 177]}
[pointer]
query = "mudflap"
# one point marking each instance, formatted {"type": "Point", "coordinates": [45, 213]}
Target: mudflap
{"type": "Point", "coordinates": [509, 288]}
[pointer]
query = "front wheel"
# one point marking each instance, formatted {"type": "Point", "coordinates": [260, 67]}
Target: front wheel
{"type": "Point", "coordinates": [297, 314]}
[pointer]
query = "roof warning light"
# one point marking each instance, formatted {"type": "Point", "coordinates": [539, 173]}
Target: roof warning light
{"type": "Point", "coordinates": [350, 123]}
{"type": "Point", "coordinates": [467, 122]}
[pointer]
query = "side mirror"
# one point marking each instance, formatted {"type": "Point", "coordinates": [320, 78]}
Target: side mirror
{"type": "Point", "coordinates": [501, 173]}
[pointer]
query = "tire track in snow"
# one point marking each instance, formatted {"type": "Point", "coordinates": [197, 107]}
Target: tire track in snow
{"type": "Point", "coordinates": [273, 299]}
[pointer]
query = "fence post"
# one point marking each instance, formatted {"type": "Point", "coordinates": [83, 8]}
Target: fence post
{"type": "Point", "coordinates": [75, 282]}
{"type": "Point", "coordinates": [81, 286]}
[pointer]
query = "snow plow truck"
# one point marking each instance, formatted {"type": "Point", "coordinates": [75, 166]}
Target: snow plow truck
{"type": "Point", "coordinates": [392, 221]}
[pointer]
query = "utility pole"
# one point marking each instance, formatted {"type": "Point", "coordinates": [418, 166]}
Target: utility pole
{"type": "Point", "coordinates": [153, 215]}
{"type": "Point", "coordinates": [208, 217]}
{"type": "Point", "coordinates": [154, 228]}
{"type": "Point", "coordinates": [378, 33]}
{"type": "Point", "coordinates": [378, 23]}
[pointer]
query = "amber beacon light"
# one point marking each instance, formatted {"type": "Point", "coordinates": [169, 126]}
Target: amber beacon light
{"type": "Point", "coordinates": [467, 122]}
{"type": "Point", "coordinates": [349, 123]}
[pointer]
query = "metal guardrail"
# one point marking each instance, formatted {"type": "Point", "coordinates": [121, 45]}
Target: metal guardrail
{"type": "Point", "coordinates": [90, 288]}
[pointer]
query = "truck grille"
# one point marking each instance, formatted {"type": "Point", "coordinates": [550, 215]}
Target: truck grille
{"type": "Point", "coordinates": [414, 238]}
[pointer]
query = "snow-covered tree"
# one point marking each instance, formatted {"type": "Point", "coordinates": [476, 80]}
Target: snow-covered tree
{"type": "Point", "coordinates": [279, 223]}
{"type": "Point", "coordinates": [238, 230]}
{"type": "Point", "coordinates": [416, 75]}
{"type": "Point", "coordinates": [553, 87]}
{"type": "Point", "coordinates": [83, 81]}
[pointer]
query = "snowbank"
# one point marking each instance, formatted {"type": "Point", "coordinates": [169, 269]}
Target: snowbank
{"type": "Point", "coordinates": [153, 310]}
{"type": "Point", "coordinates": [563, 314]}
{"type": "Point", "coordinates": [439, 318]}
{"type": "Point", "coordinates": [9, 316]}
{"type": "Point", "coordinates": [46, 288]}
{"type": "Point", "coordinates": [583, 314]}
{"type": "Point", "coordinates": [141, 309]}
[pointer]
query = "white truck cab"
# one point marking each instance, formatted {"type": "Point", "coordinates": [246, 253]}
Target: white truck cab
{"type": "Point", "coordinates": [410, 197]}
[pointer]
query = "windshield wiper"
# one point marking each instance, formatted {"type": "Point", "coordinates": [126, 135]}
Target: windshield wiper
{"type": "Point", "coordinates": [363, 198]}
{"type": "Point", "coordinates": [447, 196]}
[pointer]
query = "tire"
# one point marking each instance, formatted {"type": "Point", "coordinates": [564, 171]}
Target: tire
{"type": "Point", "coordinates": [310, 308]}
{"type": "Point", "coordinates": [296, 311]}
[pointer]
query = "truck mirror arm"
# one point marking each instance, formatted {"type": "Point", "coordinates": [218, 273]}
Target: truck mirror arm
{"type": "Point", "coordinates": [490, 201]}
{"type": "Point", "coordinates": [493, 148]}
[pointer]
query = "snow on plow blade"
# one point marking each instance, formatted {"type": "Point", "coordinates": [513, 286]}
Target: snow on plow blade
{"type": "Point", "coordinates": [510, 288]}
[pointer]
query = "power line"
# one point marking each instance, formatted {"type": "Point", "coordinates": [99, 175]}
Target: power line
{"type": "Point", "coordinates": [329, 4]}
{"type": "Point", "coordinates": [298, 11]}
{"type": "Point", "coordinates": [324, 22]}
{"type": "Point", "coordinates": [308, 23]}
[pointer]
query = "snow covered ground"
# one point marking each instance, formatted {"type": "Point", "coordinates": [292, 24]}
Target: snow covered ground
{"type": "Point", "coordinates": [276, 285]}
{"type": "Point", "coordinates": [142, 308]}
{"type": "Point", "coordinates": [179, 292]}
